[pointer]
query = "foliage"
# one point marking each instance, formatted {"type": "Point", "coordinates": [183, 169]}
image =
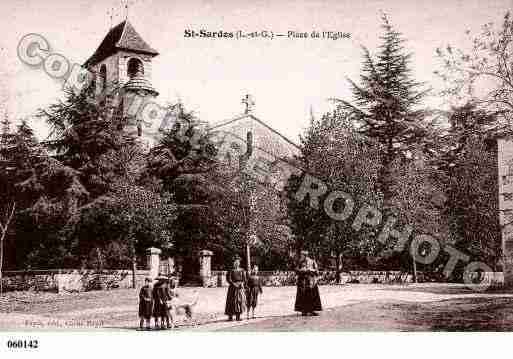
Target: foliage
{"type": "Point", "coordinates": [386, 103]}
{"type": "Point", "coordinates": [181, 162]}
{"type": "Point", "coordinates": [333, 152]}
{"type": "Point", "coordinates": [249, 212]}
{"type": "Point", "coordinates": [87, 135]}
{"type": "Point", "coordinates": [418, 200]}
{"type": "Point", "coordinates": [469, 163]}
{"type": "Point", "coordinates": [126, 220]}
{"type": "Point", "coordinates": [47, 194]}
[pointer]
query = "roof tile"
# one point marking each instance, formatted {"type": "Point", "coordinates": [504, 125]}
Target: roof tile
{"type": "Point", "coordinates": [121, 37]}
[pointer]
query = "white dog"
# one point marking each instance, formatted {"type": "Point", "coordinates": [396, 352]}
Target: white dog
{"type": "Point", "coordinates": [178, 307]}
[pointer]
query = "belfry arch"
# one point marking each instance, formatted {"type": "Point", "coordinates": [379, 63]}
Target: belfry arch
{"type": "Point", "coordinates": [135, 67]}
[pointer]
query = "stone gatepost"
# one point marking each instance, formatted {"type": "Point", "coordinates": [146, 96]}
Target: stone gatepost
{"type": "Point", "coordinates": [205, 257]}
{"type": "Point", "coordinates": [153, 261]}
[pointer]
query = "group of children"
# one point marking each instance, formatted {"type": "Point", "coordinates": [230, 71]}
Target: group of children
{"type": "Point", "coordinates": [154, 302]}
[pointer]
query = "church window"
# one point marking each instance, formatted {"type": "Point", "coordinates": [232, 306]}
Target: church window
{"type": "Point", "coordinates": [135, 67]}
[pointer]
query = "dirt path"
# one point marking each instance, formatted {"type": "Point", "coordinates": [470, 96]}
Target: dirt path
{"type": "Point", "coordinates": [348, 307]}
{"type": "Point", "coordinates": [468, 314]}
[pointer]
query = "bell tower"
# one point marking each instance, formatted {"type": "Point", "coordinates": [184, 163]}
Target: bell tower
{"type": "Point", "coordinates": [124, 61]}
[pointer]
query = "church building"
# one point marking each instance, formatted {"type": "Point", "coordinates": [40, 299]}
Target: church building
{"type": "Point", "coordinates": [124, 61]}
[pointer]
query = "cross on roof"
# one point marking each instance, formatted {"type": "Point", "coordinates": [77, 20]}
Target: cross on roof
{"type": "Point", "coordinates": [249, 102]}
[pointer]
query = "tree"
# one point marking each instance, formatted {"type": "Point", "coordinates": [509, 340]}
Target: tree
{"type": "Point", "coordinates": [51, 198]}
{"type": "Point", "coordinates": [418, 201]}
{"type": "Point", "coordinates": [250, 215]}
{"type": "Point", "coordinates": [332, 151]}
{"type": "Point", "coordinates": [86, 135]}
{"type": "Point", "coordinates": [46, 195]}
{"type": "Point", "coordinates": [129, 218]}
{"type": "Point", "coordinates": [89, 137]}
{"type": "Point", "coordinates": [7, 192]}
{"type": "Point", "coordinates": [4, 227]}
{"type": "Point", "coordinates": [184, 149]}
{"type": "Point", "coordinates": [469, 165]}
{"type": "Point", "coordinates": [487, 65]}
{"type": "Point", "coordinates": [181, 163]}
{"type": "Point", "coordinates": [386, 104]}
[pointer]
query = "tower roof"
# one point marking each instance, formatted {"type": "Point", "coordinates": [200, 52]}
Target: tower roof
{"type": "Point", "coordinates": [121, 37]}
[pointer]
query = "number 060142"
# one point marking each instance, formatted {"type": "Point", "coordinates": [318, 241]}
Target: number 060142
{"type": "Point", "coordinates": [22, 344]}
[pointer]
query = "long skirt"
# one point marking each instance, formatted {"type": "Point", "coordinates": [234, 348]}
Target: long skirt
{"type": "Point", "coordinates": [307, 297]}
{"type": "Point", "coordinates": [160, 310]}
{"type": "Point", "coordinates": [252, 297]}
{"type": "Point", "coordinates": [145, 309]}
{"type": "Point", "coordinates": [235, 300]}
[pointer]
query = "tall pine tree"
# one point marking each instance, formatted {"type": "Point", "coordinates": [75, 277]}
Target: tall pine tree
{"type": "Point", "coordinates": [385, 106]}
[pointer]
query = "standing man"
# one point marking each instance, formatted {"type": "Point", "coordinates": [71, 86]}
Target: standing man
{"type": "Point", "coordinates": [308, 300]}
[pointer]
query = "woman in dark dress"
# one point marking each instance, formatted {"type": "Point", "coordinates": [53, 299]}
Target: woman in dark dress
{"type": "Point", "coordinates": [145, 304]}
{"type": "Point", "coordinates": [254, 289]}
{"type": "Point", "coordinates": [308, 300]}
{"type": "Point", "coordinates": [236, 297]}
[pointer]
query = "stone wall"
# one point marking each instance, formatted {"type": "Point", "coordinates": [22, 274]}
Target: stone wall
{"type": "Point", "coordinates": [70, 280]}
{"type": "Point", "coordinates": [492, 279]}
{"type": "Point", "coordinates": [282, 278]}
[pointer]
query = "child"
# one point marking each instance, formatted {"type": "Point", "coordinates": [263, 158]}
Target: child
{"type": "Point", "coordinates": [254, 289]}
{"type": "Point", "coordinates": [145, 304]}
{"type": "Point", "coordinates": [161, 296]}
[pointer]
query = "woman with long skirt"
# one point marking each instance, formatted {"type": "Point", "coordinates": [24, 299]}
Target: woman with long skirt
{"type": "Point", "coordinates": [236, 297]}
{"type": "Point", "coordinates": [308, 300]}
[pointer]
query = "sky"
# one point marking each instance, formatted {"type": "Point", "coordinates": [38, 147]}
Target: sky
{"type": "Point", "coordinates": [287, 77]}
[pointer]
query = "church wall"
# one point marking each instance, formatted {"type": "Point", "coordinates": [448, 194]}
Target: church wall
{"type": "Point", "coordinates": [112, 71]}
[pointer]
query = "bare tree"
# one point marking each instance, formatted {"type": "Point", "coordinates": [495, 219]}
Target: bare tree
{"type": "Point", "coordinates": [4, 228]}
{"type": "Point", "coordinates": [486, 66]}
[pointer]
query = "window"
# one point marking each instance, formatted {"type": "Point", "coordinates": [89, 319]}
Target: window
{"type": "Point", "coordinates": [135, 67]}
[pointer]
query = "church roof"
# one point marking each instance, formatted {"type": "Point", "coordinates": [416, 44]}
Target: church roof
{"type": "Point", "coordinates": [121, 37]}
{"type": "Point", "coordinates": [244, 116]}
